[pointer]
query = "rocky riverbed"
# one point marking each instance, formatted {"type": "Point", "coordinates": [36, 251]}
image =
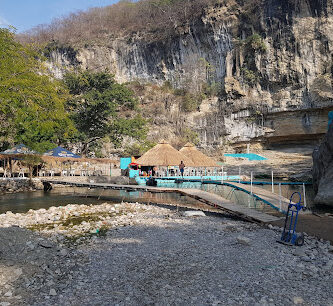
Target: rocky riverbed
{"type": "Point", "coordinates": [133, 254]}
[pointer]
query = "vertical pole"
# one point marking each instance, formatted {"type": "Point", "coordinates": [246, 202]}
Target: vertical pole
{"type": "Point", "coordinates": [239, 174]}
{"type": "Point", "coordinates": [251, 182]}
{"type": "Point", "coordinates": [272, 182]}
{"type": "Point", "coordinates": [280, 197]}
{"type": "Point", "coordinates": [304, 201]}
{"type": "Point", "coordinates": [222, 175]}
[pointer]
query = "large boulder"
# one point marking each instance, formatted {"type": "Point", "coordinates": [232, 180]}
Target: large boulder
{"type": "Point", "coordinates": [323, 170]}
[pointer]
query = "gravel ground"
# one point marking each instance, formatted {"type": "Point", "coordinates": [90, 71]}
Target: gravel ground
{"type": "Point", "coordinates": [161, 257]}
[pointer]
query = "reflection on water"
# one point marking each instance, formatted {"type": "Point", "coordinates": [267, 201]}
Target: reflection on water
{"type": "Point", "coordinates": [22, 202]}
{"type": "Point", "coordinates": [242, 198]}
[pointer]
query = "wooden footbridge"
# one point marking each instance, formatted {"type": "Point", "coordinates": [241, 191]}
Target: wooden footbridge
{"type": "Point", "coordinates": [275, 201]}
{"type": "Point", "coordinates": [211, 199]}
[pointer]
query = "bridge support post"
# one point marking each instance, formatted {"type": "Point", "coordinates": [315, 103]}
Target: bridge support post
{"type": "Point", "coordinates": [47, 186]}
{"type": "Point", "coordinates": [222, 175]}
{"type": "Point", "coordinates": [304, 201]}
{"type": "Point", "coordinates": [251, 182]}
{"type": "Point", "coordinates": [239, 174]}
{"type": "Point", "coordinates": [280, 197]}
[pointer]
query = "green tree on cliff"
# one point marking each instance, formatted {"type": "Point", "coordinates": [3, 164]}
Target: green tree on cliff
{"type": "Point", "coordinates": [31, 103]}
{"type": "Point", "coordinates": [96, 107]}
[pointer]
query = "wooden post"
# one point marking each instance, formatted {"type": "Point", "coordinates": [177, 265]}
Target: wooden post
{"type": "Point", "coordinates": [272, 182]}
{"type": "Point", "coordinates": [251, 182]}
{"type": "Point", "coordinates": [222, 175]}
{"type": "Point", "coordinates": [280, 197]}
{"type": "Point", "coordinates": [304, 201]}
{"type": "Point", "coordinates": [239, 175]}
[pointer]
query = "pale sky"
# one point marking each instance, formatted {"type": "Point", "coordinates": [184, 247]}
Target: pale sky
{"type": "Point", "coordinates": [25, 14]}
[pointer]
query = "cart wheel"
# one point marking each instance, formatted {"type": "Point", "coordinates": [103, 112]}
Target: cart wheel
{"type": "Point", "coordinates": [285, 237]}
{"type": "Point", "coordinates": [299, 240]}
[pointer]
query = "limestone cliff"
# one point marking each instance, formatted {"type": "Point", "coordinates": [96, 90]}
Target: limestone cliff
{"type": "Point", "coordinates": [323, 170]}
{"type": "Point", "coordinates": [270, 61]}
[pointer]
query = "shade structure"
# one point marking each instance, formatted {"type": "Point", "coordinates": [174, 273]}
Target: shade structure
{"type": "Point", "coordinates": [199, 159]}
{"type": "Point", "coordinates": [61, 152]}
{"type": "Point", "coordinates": [163, 154]}
{"type": "Point", "coordinates": [18, 149]}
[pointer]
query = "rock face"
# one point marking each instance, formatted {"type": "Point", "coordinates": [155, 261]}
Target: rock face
{"type": "Point", "coordinates": [323, 170]}
{"type": "Point", "coordinates": [270, 60]}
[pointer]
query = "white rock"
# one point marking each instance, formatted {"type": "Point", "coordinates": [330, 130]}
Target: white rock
{"type": "Point", "coordinates": [194, 213]}
{"type": "Point", "coordinates": [243, 240]}
{"type": "Point", "coordinates": [63, 252]}
{"type": "Point", "coordinates": [53, 292]}
{"type": "Point", "coordinates": [18, 272]}
{"type": "Point", "coordinates": [298, 300]}
{"type": "Point", "coordinates": [8, 294]}
{"type": "Point", "coordinates": [4, 304]}
{"type": "Point", "coordinates": [299, 252]}
{"type": "Point", "coordinates": [30, 245]}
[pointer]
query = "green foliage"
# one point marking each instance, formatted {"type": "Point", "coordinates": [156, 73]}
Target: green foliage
{"type": "Point", "coordinates": [31, 161]}
{"type": "Point", "coordinates": [190, 102]}
{"type": "Point", "coordinates": [138, 149]}
{"type": "Point", "coordinates": [31, 103]}
{"type": "Point", "coordinates": [249, 76]}
{"type": "Point", "coordinates": [167, 86]}
{"type": "Point", "coordinates": [135, 128]}
{"type": "Point", "coordinates": [189, 135]}
{"type": "Point", "coordinates": [255, 43]}
{"type": "Point", "coordinates": [211, 90]}
{"type": "Point", "coordinates": [96, 105]}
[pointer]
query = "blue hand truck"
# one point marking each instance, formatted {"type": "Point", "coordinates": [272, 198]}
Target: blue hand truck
{"type": "Point", "coordinates": [289, 236]}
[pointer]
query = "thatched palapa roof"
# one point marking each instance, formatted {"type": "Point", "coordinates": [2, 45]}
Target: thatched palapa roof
{"type": "Point", "coordinates": [164, 154]}
{"type": "Point", "coordinates": [199, 159]}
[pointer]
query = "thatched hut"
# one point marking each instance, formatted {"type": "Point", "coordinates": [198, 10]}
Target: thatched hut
{"type": "Point", "coordinates": [163, 154]}
{"type": "Point", "coordinates": [199, 159]}
{"type": "Point", "coordinates": [11, 160]}
{"type": "Point", "coordinates": [164, 158]}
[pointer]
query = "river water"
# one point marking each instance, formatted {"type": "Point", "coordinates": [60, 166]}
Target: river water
{"type": "Point", "coordinates": [22, 202]}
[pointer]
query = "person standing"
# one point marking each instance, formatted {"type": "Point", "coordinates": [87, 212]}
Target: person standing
{"type": "Point", "coordinates": [181, 168]}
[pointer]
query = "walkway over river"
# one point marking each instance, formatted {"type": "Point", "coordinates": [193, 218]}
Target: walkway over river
{"type": "Point", "coordinates": [203, 196]}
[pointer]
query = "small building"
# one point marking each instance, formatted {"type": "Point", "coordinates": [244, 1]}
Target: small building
{"type": "Point", "coordinates": [163, 159]}
{"type": "Point", "coordinates": [199, 159]}
{"type": "Point", "coordinates": [203, 164]}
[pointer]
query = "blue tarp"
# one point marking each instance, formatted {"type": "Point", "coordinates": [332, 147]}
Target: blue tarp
{"type": "Point", "coordinates": [61, 152]}
{"type": "Point", "coordinates": [249, 156]}
{"type": "Point", "coordinates": [124, 162]}
{"type": "Point", "coordinates": [19, 149]}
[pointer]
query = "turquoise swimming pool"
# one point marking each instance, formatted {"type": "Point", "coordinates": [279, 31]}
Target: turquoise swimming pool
{"type": "Point", "coordinates": [249, 156]}
{"type": "Point", "coordinates": [171, 179]}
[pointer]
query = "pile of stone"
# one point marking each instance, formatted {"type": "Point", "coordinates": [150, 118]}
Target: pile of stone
{"type": "Point", "coordinates": [153, 255]}
{"type": "Point", "coordinates": [77, 221]}
{"type": "Point", "coordinates": [11, 185]}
